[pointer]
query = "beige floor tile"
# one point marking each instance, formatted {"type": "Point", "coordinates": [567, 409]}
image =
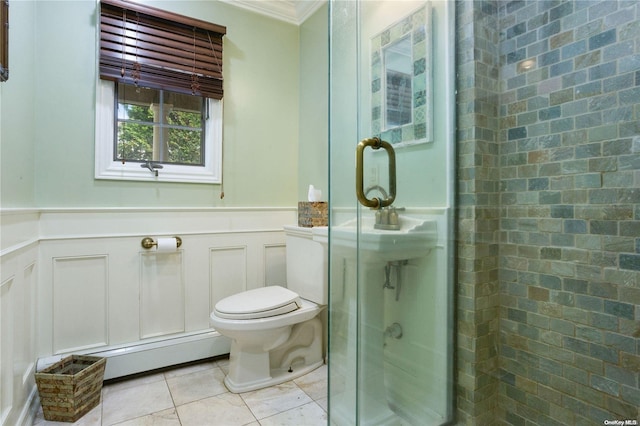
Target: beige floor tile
{"type": "Point", "coordinates": [314, 383]}
{"type": "Point", "coordinates": [197, 385]}
{"type": "Point", "coordinates": [276, 399]}
{"type": "Point", "coordinates": [188, 369]}
{"type": "Point", "coordinates": [132, 382]}
{"type": "Point", "coordinates": [308, 415]}
{"type": "Point", "coordinates": [128, 403]}
{"type": "Point", "coordinates": [161, 418]}
{"type": "Point", "coordinates": [226, 409]}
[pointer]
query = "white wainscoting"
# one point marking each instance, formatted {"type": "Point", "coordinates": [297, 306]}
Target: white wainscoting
{"type": "Point", "coordinates": [79, 281]}
{"type": "Point", "coordinates": [18, 313]}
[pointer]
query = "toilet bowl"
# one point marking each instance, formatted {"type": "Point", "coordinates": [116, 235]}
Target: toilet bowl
{"type": "Point", "coordinates": [275, 332]}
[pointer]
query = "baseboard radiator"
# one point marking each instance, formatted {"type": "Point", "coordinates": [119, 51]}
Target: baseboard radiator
{"type": "Point", "coordinates": [143, 357]}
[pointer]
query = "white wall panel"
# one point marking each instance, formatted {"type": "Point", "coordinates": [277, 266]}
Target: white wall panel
{"type": "Point", "coordinates": [161, 294]}
{"type": "Point", "coordinates": [79, 302]}
{"type": "Point", "coordinates": [275, 257]}
{"type": "Point", "coordinates": [6, 350]}
{"type": "Point", "coordinates": [228, 272]}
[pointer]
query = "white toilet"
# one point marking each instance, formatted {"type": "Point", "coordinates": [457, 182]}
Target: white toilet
{"type": "Point", "coordinates": [276, 333]}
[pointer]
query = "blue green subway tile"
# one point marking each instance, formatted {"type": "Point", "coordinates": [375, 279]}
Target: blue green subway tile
{"type": "Point", "coordinates": [630, 394]}
{"type": "Point", "coordinates": [575, 78]}
{"type": "Point", "coordinates": [561, 68]}
{"type": "Point", "coordinates": [629, 195]}
{"type": "Point", "coordinates": [562, 211]}
{"type": "Point", "coordinates": [550, 113]}
{"type": "Point", "coordinates": [629, 162]}
{"type": "Point", "coordinates": [629, 96]}
{"type": "Point", "coordinates": [617, 83]}
{"type": "Point", "coordinates": [562, 125]}
{"type": "Point", "coordinates": [588, 180]}
{"type": "Point", "coordinates": [563, 240]}
{"type": "Point", "coordinates": [599, 72]}
{"type": "Point", "coordinates": [561, 11]}
{"type": "Point", "coordinates": [526, 39]}
{"type": "Point", "coordinates": [630, 261]}
{"type": "Point", "coordinates": [629, 129]}
{"type": "Point", "coordinates": [603, 321]}
{"type": "Point", "coordinates": [549, 58]}
{"type": "Point", "coordinates": [549, 29]}
{"type": "Point", "coordinates": [604, 38]}
{"type": "Point", "coordinates": [623, 52]}
{"type": "Point", "coordinates": [620, 309]}
{"type": "Point", "coordinates": [516, 30]}
{"type": "Point", "coordinates": [582, 62]}
{"type": "Point", "coordinates": [605, 385]}
{"type": "Point", "coordinates": [637, 245]}
{"type": "Point", "coordinates": [621, 376]}
{"type": "Point", "coordinates": [620, 341]}
{"type": "Point", "coordinates": [516, 56]}
{"type": "Point", "coordinates": [603, 102]}
{"type": "Point", "coordinates": [575, 226]}
{"type": "Point", "coordinates": [589, 89]}
{"type": "Point", "coordinates": [638, 78]}
{"type": "Point", "coordinates": [538, 184]}
{"type": "Point", "coordinates": [574, 49]}
{"type": "Point", "coordinates": [603, 196]}
{"type": "Point", "coordinates": [603, 353]}
{"type": "Point", "coordinates": [603, 227]}
{"type": "Point", "coordinates": [590, 303]}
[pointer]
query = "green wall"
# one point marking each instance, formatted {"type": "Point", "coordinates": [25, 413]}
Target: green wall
{"type": "Point", "coordinates": [48, 113]}
{"type": "Point", "coordinates": [17, 129]}
{"type": "Point", "coordinates": [314, 98]}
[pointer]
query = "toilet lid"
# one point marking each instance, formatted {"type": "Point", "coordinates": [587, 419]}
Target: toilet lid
{"type": "Point", "coordinates": [258, 303]}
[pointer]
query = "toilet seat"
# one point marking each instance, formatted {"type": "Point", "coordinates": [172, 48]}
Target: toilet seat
{"type": "Point", "coordinates": [258, 303]}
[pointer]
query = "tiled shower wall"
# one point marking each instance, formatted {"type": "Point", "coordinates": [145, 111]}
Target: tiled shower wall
{"type": "Point", "coordinates": [549, 209]}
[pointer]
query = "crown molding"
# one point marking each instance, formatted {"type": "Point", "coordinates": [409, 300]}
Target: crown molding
{"type": "Point", "coordinates": [291, 11]}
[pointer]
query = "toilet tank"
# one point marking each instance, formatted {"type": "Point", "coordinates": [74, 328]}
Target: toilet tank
{"type": "Point", "coordinates": [306, 265]}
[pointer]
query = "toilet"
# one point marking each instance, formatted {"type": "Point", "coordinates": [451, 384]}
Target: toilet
{"type": "Point", "coordinates": [276, 333]}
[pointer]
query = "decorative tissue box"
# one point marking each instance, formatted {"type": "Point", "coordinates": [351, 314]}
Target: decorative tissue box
{"type": "Point", "coordinates": [313, 213]}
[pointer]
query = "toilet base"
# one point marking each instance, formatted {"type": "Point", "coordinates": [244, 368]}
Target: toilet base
{"type": "Point", "coordinates": [278, 376]}
{"type": "Point", "coordinates": [297, 352]}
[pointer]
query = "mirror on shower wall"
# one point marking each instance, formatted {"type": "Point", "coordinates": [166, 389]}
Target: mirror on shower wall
{"type": "Point", "coordinates": [401, 81]}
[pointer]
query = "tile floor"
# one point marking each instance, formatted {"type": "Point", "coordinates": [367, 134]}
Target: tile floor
{"type": "Point", "coordinates": [194, 395]}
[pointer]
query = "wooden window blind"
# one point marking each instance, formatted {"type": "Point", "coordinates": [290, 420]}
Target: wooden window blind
{"type": "Point", "coordinates": [151, 47]}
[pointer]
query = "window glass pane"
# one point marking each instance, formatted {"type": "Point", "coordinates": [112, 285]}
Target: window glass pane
{"type": "Point", "coordinates": [135, 142]}
{"type": "Point", "coordinates": [184, 146]}
{"type": "Point", "coordinates": [160, 126]}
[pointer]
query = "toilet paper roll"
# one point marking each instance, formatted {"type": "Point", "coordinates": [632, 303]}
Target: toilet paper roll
{"type": "Point", "coordinates": [166, 245]}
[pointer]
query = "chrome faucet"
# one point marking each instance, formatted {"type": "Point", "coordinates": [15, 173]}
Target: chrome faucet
{"type": "Point", "coordinates": [386, 217]}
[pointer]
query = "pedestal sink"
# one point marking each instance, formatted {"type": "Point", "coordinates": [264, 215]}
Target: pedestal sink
{"type": "Point", "coordinates": [414, 239]}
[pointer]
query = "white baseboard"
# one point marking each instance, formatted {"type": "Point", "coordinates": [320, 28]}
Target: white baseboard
{"type": "Point", "coordinates": [143, 357]}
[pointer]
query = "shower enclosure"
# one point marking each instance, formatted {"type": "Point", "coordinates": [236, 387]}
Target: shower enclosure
{"type": "Point", "coordinates": [391, 218]}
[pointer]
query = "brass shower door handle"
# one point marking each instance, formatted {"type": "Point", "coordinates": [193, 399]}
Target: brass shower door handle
{"type": "Point", "coordinates": [375, 143]}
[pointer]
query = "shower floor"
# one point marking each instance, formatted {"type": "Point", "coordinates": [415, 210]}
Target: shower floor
{"type": "Point", "coordinates": [195, 395]}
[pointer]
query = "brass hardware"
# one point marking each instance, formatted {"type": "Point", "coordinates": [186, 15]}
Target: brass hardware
{"type": "Point", "coordinates": [148, 242]}
{"type": "Point", "coordinates": [376, 203]}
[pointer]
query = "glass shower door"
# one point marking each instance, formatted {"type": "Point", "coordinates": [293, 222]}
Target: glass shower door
{"type": "Point", "coordinates": [390, 235]}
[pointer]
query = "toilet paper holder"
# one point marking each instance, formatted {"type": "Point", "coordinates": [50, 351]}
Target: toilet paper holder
{"type": "Point", "coordinates": [148, 242]}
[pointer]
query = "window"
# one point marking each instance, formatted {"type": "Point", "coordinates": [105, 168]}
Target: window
{"type": "Point", "coordinates": [159, 98]}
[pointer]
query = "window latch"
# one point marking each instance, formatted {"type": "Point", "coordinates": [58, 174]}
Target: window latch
{"type": "Point", "coordinates": [153, 167]}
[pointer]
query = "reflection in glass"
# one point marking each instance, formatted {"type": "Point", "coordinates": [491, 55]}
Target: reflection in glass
{"type": "Point", "coordinates": [398, 62]}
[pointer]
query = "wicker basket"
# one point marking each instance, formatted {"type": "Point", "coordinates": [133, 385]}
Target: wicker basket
{"type": "Point", "coordinates": [71, 388]}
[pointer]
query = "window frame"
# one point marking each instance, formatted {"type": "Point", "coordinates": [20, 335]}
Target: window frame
{"type": "Point", "coordinates": [106, 167]}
